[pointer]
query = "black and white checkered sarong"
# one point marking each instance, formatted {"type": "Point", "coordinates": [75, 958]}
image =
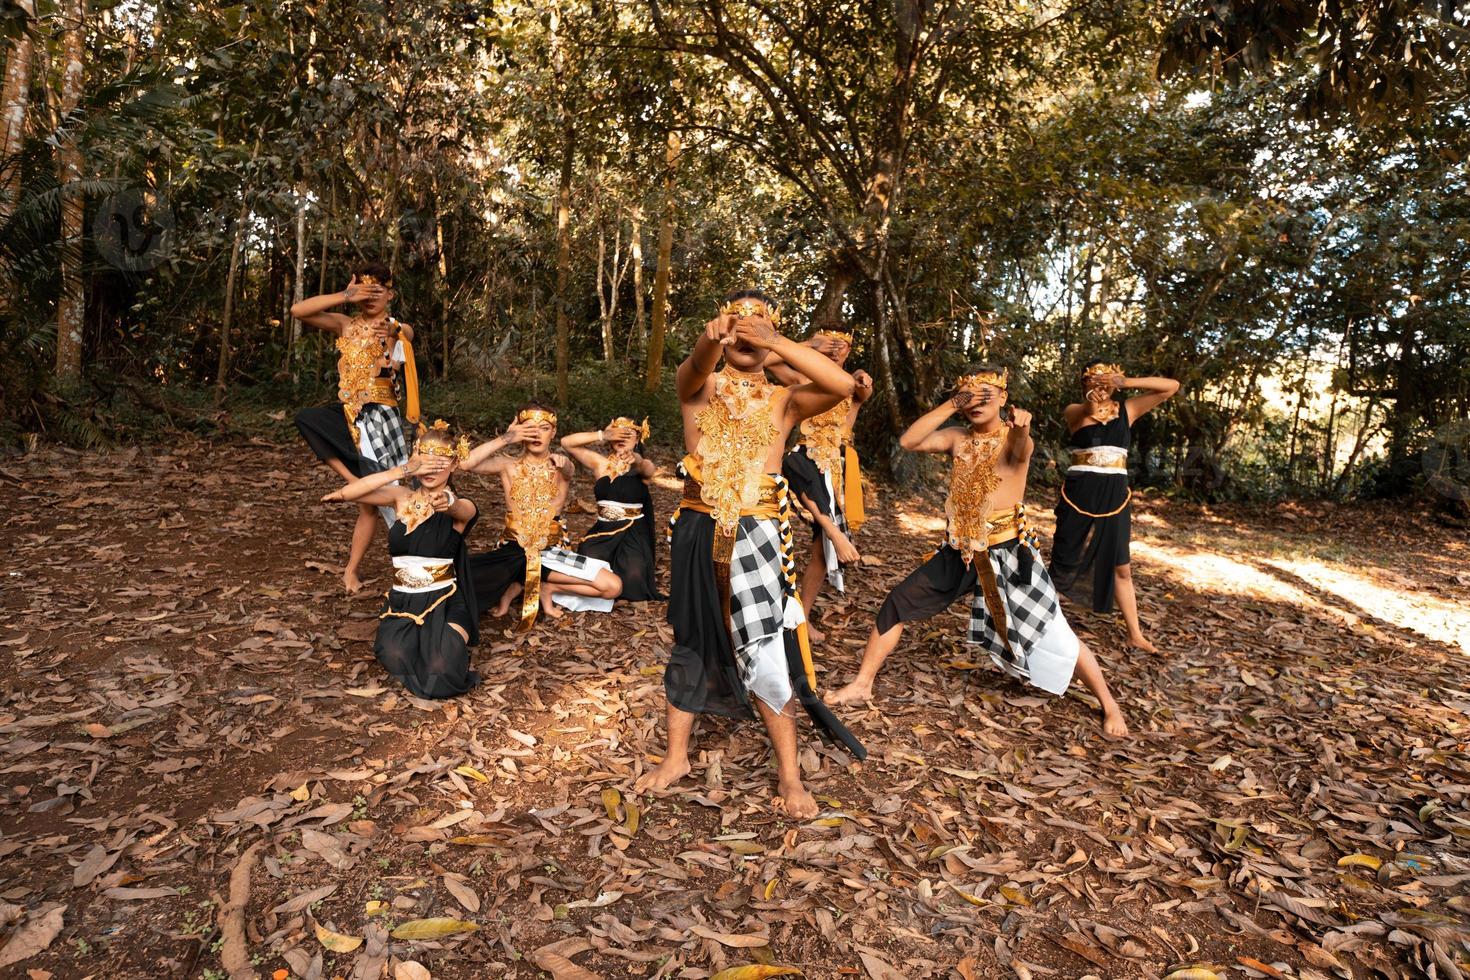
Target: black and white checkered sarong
{"type": "Point", "coordinates": [1030, 603]}
{"type": "Point", "coordinates": [381, 440]}
{"type": "Point", "coordinates": [757, 601]}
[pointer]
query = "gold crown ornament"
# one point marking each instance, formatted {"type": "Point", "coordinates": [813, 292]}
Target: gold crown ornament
{"type": "Point", "coordinates": [841, 335]}
{"type": "Point", "coordinates": [375, 281]}
{"type": "Point", "coordinates": [453, 448]}
{"type": "Point", "coordinates": [1102, 370]}
{"type": "Point", "coordinates": [974, 382]}
{"type": "Point", "coordinates": [537, 415]}
{"type": "Point", "coordinates": [749, 306]}
{"type": "Point", "coordinates": [623, 422]}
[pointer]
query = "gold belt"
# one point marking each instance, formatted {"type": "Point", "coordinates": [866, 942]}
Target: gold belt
{"type": "Point", "coordinates": [767, 508]}
{"type": "Point", "coordinates": [1089, 457]}
{"type": "Point", "coordinates": [423, 576]}
{"type": "Point", "coordinates": [611, 510]}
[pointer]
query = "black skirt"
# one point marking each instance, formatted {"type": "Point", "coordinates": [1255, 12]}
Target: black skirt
{"type": "Point", "coordinates": [431, 660]}
{"type": "Point", "coordinates": [1085, 550]}
{"type": "Point", "coordinates": [493, 572]}
{"type": "Point", "coordinates": [808, 482]}
{"type": "Point", "coordinates": [702, 676]}
{"type": "Point", "coordinates": [628, 545]}
{"type": "Point", "coordinates": [324, 427]}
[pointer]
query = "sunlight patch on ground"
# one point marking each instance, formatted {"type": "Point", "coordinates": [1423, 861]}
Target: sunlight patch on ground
{"type": "Point", "coordinates": [1205, 571]}
{"type": "Point", "coordinates": [1431, 617]}
{"type": "Point", "coordinates": [925, 525]}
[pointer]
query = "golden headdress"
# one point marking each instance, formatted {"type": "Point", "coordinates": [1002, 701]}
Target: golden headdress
{"type": "Point", "coordinates": [370, 280]}
{"type": "Point", "coordinates": [752, 306]}
{"type": "Point", "coordinates": [537, 415]}
{"type": "Point", "coordinates": [842, 335]}
{"type": "Point", "coordinates": [974, 382]}
{"type": "Point", "coordinates": [623, 422]}
{"type": "Point", "coordinates": [1101, 370]}
{"type": "Point", "coordinates": [444, 443]}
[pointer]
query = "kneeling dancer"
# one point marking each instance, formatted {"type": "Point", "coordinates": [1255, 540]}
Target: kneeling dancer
{"type": "Point", "coordinates": [532, 560]}
{"type": "Point", "coordinates": [739, 637]}
{"type": "Point", "coordinates": [988, 554]}
{"type": "Point", "coordinates": [428, 620]}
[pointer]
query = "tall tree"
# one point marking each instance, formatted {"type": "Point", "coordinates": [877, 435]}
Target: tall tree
{"type": "Point", "coordinates": [71, 305]}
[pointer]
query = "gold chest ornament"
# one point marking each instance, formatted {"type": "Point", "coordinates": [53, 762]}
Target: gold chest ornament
{"type": "Point", "coordinates": [822, 435]}
{"type": "Point", "coordinates": [617, 465]}
{"type": "Point", "coordinates": [972, 481]}
{"type": "Point", "coordinates": [414, 509]}
{"type": "Point", "coordinates": [737, 432]}
{"type": "Point", "coordinates": [532, 498]}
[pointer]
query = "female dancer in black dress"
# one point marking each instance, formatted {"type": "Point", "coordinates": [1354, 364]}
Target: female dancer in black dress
{"type": "Point", "coordinates": [623, 535]}
{"type": "Point", "coordinates": [1089, 555]}
{"type": "Point", "coordinates": [429, 621]}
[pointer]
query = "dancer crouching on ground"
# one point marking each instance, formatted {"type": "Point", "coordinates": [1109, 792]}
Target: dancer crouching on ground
{"type": "Point", "coordinates": [532, 560]}
{"type": "Point", "coordinates": [623, 535]}
{"type": "Point", "coordinates": [988, 554]}
{"type": "Point", "coordinates": [428, 619]}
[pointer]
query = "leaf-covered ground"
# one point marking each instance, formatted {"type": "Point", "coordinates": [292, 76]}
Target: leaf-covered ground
{"type": "Point", "coordinates": [184, 684]}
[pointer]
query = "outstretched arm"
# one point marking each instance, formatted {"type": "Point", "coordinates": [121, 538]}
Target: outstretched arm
{"type": "Point", "coordinates": [925, 436]}
{"type": "Point", "coordinates": [1156, 391]}
{"type": "Point", "coordinates": [377, 488]}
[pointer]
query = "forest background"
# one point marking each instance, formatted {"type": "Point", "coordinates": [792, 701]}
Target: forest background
{"type": "Point", "coordinates": [1265, 200]}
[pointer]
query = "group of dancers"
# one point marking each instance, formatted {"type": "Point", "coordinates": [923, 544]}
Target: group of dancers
{"type": "Point", "coordinates": [760, 457]}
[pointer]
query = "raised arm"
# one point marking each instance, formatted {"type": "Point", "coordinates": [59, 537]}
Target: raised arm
{"type": "Point", "coordinates": [925, 435]}
{"type": "Point", "coordinates": [1019, 444]}
{"type": "Point", "coordinates": [826, 385]}
{"type": "Point", "coordinates": [479, 459]}
{"type": "Point", "coordinates": [702, 361]}
{"type": "Point", "coordinates": [784, 373]}
{"type": "Point", "coordinates": [1156, 391]}
{"type": "Point", "coordinates": [316, 311]}
{"type": "Point", "coordinates": [576, 444]}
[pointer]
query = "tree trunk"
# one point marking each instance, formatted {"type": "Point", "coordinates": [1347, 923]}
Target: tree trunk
{"type": "Point", "coordinates": [654, 366]}
{"type": "Point", "coordinates": [827, 314]}
{"type": "Point", "coordinates": [442, 269]}
{"type": "Point", "coordinates": [226, 319]}
{"type": "Point", "coordinates": [640, 325]}
{"type": "Point", "coordinates": [298, 286]}
{"type": "Point", "coordinates": [564, 262]}
{"type": "Point", "coordinates": [71, 304]}
{"type": "Point", "coordinates": [14, 98]}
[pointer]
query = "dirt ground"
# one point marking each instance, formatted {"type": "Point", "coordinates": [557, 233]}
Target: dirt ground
{"type": "Point", "coordinates": [185, 682]}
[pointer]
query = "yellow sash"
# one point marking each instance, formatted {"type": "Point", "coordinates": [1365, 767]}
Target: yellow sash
{"type": "Point", "coordinates": [852, 489]}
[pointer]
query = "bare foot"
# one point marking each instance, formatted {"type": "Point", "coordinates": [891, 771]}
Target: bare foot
{"type": "Point", "coordinates": [813, 634]}
{"type": "Point", "coordinates": [662, 776]}
{"type": "Point", "coordinates": [796, 802]}
{"type": "Point", "coordinates": [1142, 643]}
{"type": "Point", "coordinates": [351, 582]}
{"type": "Point", "coordinates": [1114, 724]}
{"type": "Point", "coordinates": [854, 693]}
{"type": "Point", "coordinates": [507, 597]}
{"type": "Point", "coordinates": [548, 607]}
